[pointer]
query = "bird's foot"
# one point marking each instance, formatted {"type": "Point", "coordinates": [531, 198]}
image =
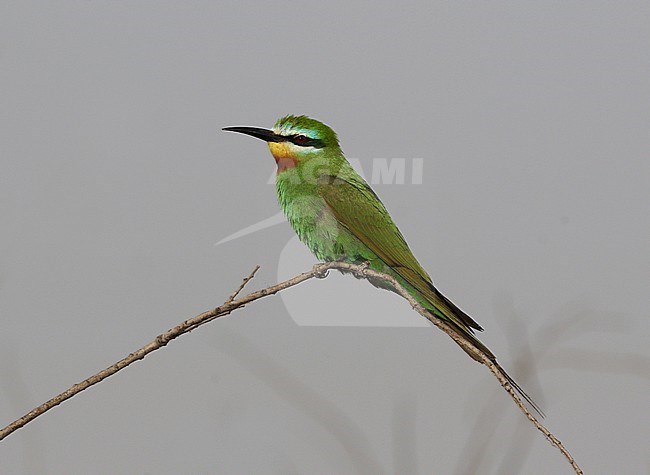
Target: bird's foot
{"type": "Point", "coordinates": [320, 273]}
{"type": "Point", "coordinates": [360, 273]}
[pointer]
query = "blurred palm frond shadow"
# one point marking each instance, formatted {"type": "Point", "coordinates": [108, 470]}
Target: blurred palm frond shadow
{"type": "Point", "coordinates": [544, 351]}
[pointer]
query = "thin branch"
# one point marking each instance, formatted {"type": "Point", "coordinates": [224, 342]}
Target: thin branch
{"type": "Point", "coordinates": [478, 355]}
{"type": "Point", "coordinates": [243, 284]}
{"type": "Point", "coordinates": [231, 304]}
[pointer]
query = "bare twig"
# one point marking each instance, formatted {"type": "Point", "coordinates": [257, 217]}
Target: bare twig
{"type": "Point", "coordinates": [231, 304]}
{"type": "Point", "coordinates": [466, 345]}
{"type": "Point", "coordinates": [243, 284]}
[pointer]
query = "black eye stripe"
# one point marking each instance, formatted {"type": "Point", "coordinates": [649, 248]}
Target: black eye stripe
{"type": "Point", "coordinates": [304, 141]}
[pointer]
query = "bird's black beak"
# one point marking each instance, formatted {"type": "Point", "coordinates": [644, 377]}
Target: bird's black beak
{"type": "Point", "coordinates": [263, 134]}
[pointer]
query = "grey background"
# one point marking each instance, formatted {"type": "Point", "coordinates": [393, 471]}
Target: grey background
{"type": "Point", "coordinates": [116, 182]}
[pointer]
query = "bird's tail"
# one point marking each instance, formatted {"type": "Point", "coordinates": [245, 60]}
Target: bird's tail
{"type": "Point", "coordinates": [467, 335]}
{"type": "Point", "coordinates": [444, 309]}
{"type": "Point", "coordinates": [441, 307]}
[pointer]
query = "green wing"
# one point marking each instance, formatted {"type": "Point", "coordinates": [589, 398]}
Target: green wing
{"type": "Point", "coordinates": [358, 208]}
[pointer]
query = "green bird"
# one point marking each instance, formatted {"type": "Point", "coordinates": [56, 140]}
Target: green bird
{"type": "Point", "coordinates": [340, 218]}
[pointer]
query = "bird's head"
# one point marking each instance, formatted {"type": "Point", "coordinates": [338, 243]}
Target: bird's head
{"type": "Point", "coordinates": [295, 139]}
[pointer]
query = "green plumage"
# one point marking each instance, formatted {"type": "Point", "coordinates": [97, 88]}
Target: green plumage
{"type": "Point", "coordinates": [339, 217]}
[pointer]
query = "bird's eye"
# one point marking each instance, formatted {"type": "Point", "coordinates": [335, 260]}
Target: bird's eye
{"type": "Point", "coordinates": [300, 140]}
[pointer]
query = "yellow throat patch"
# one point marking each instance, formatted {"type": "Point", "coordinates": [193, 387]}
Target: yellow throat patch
{"type": "Point", "coordinates": [284, 156]}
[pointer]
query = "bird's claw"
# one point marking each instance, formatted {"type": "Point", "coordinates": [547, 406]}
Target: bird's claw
{"type": "Point", "coordinates": [360, 272]}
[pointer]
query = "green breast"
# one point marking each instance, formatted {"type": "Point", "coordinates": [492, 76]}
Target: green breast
{"type": "Point", "coordinates": [311, 218]}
